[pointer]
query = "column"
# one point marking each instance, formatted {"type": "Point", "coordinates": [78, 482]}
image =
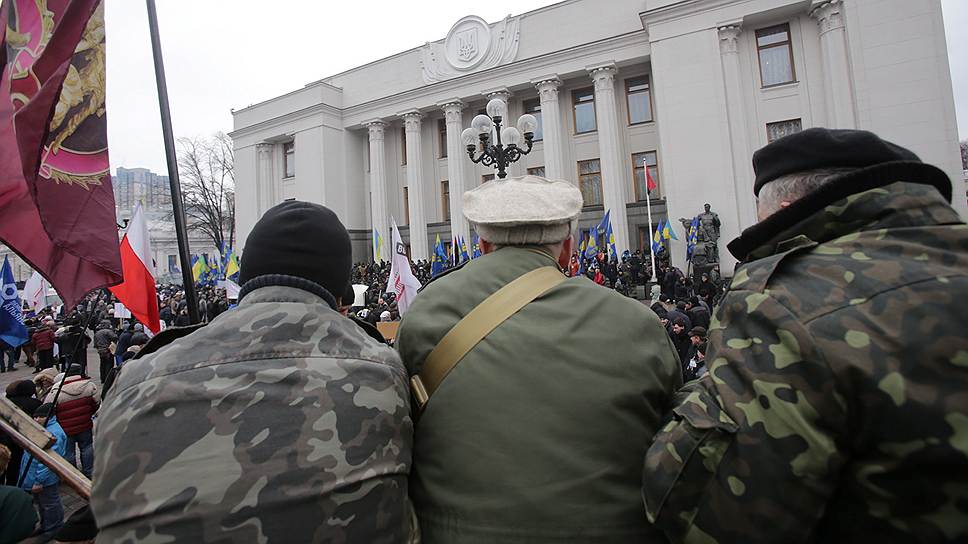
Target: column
{"type": "Point", "coordinates": [614, 171]}
{"type": "Point", "coordinates": [379, 217]}
{"type": "Point", "coordinates": [833, 49]}
{"type": "Point", "coordinates": [736, 115]}
{"type": "Point", "coordinates": [456, 162]}
{"type": "Point", "coordinates": [551, 126]}
{"type": "Point", "coordinates": [417, 189]}
{"type": "Point", "coordinates": [265, 183]}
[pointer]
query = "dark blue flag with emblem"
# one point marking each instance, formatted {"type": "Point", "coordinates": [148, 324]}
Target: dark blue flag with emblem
{"type": "Point", "coordinates": [12, 329]}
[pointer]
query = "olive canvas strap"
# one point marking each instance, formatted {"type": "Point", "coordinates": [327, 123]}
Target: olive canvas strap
{"type": "Point", "coordinates": [477, 324]}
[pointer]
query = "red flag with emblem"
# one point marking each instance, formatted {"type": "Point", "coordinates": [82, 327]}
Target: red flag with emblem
{"type": "Point", "coordinates": [56, 200]}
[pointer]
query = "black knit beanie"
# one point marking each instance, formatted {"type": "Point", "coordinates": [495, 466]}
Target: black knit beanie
{"type": "Point", "coordinates": [299, 239]}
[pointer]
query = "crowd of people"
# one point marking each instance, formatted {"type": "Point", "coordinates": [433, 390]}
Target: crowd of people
{"type": "Point", "coordinates": [519, 403]}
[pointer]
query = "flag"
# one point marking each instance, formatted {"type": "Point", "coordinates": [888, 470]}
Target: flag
{"type": "Point", "coordinates": [35, 292]}
{"type": "Point", "coordinates": [137, 291]}
{"type": "Point", "coordinates": [476, 249]}
{"type": "Point", "coordinates": [199, 268]}
{"type": "Point", "coordinates": [591, 250]}
{"type": "Point", "coordinates": [668, 233]}
{"type": "Point", "coordinates": [611, 241]}
{"type": "Point", "coordinates": [455, 250]}
{"type": "Point", "coordinates": [606, 222]}
{"type": "Point", "coordinates": [56, 198]}
{"type": "Point", "coordinates": [438, 258]}
{"type": "Point", "coordinates": [12, 328]}
{"type": "Point", "coordinates": [581, 254]}
{"type": "Point", "coordinates": [650, 183]}
{"type": "Point", "coordinates": [402, 281]}
{"type": "Point", "coordinates": [657, 246]}
{"type": "Point", "coordinates": [464, 257]}
{"type": "Point", "coordinates": [692, 238]}
{"type": "Point", "coordinates": [377, 246]}
{"type": "Point", "coordinates": [230, 267]}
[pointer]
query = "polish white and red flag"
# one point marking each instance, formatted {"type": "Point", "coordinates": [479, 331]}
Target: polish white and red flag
{"type": "Point", "coordinates": [137, 292]}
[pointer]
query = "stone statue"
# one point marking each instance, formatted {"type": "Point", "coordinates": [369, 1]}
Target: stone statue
{"type": "Point", "coordinates": [709, 225]}
{"type": "Point", "coordinates": [706, 251]}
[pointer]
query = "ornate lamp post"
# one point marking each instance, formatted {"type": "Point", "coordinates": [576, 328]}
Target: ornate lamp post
{"type": "Point", "coordinates": [505, 150]}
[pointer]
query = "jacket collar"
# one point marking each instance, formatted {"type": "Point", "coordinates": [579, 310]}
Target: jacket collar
{"type": "Point", "coordinates": [281, 280]}
{"type": "Point", "coordinates": [863, 200]}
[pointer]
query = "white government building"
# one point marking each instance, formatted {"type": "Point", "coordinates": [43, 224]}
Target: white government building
{"type": "Point", "coordinates": [689, 87]}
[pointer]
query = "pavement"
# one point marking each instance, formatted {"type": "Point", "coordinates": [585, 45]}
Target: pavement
{"type": "Point", "coordinates": [72, 501]}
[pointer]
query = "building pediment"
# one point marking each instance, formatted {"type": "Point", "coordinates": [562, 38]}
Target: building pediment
{"type": "Point", "coordinates": [470, 46]}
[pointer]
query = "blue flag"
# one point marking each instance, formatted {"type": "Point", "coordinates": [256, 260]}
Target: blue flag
{"type": "Point", "coordinates": [12, 328]}
{"type": "Point", "coordinates": [606, 222]}
{"type": "Point", "coordinates": [438, 258]}
{"type": "Point", "coordinates": [657, 246]}
{"type": "Point", "coordinates": [591, 250]}
{"type": "Point", "coordinates": [477, 246]}
{"type": "Point", "coordinates": [464, 257]}
{"type": "Point", "coordinates": [692, 238]}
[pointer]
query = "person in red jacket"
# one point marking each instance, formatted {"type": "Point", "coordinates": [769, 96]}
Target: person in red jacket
{"type": "Point", "coordinates": [43, 340]}
{"type": "Point", "coordinates": [76, 406]}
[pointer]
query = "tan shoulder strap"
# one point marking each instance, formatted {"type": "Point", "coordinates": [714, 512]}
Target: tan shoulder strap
{"type": "Point", "coordinates": [477, 324]}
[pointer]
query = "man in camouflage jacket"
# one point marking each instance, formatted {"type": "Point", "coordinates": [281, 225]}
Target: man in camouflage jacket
{"type": "Point", "coordinates": [280, 422]}
{"type": "Point", "coordinates": [835, 408]}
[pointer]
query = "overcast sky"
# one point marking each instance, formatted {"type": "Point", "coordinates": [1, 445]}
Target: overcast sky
{"type": "Point", "coordinates": [223, 54]}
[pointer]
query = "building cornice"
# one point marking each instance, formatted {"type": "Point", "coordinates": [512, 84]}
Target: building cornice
{"type": "Point", "coordinates": [290, 117]}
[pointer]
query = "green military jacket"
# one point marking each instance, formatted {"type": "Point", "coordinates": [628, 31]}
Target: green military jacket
{"type": "Point", "coordinates": [538, 434]}
{"type": "Point", "coordinates": [279, 422]}
{"type": "Point", "coordinates": [836, 405]}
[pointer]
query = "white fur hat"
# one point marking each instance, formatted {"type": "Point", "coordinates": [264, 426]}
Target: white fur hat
{"type": "Point", "coordinates": [523, 210]}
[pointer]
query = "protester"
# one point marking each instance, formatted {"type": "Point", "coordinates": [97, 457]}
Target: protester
{"type": "Point", "coordinates": [834, 408]}
{"type": "Point", "coordinates": [526, 440]}
{"type": "Point", "coordinates": [76, 406]}
{"type": "Point", "coordinates": [694, 364]}
{"type": "Point", "coordinates": [105, 340]}
{"type": "Point", "coordinates": [21, 393]}
{"type": "Point", "coordinates": [42, 482]}
{"type": "Point", "coordinates": [43, 340]}
{"type": "Point", "coordinates": [17, 514]}
{"type": "Point", "coordinates": [281, 421]}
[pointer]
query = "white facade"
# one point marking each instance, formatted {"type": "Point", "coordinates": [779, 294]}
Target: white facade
{"type": "Point", "coordinates": [378, 140]}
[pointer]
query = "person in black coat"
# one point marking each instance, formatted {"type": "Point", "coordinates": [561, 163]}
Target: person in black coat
{"type": "Point", "coordinates": [124, 340]}
{"type": "Point", "coordinates": [22, 394]}
{"type": "Point", "coordinates": [698, 314]}
{"type": "Point", "coordinates": [680, 338]}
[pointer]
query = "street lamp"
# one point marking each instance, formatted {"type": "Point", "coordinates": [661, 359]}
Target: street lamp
{"type": "Point", "coordinates": [506, 148]}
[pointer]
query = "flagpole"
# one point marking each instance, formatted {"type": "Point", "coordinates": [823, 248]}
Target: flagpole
{"type": "Point", "coordinates": [191, 298]}
{"type": "Point", "coordinates": [648, 206]}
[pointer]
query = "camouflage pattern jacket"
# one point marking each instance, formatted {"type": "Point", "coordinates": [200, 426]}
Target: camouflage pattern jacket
{"type": "Point", "coordinates": [835, 409]}
{"type": "Point", "coordinates": [279, 422]}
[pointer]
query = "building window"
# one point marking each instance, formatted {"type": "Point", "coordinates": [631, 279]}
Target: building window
{"type": "Point", "coordinates": [590, 181]}
{"type": "Point", "coordinates": [445, 199]}
{"type": "Point", "coordinates": [289, 158]}
{"type": "Point", "coordinates": [584, 104]}
{"type": "Point", "coordinates": [775, 51]}
{"type": "Point", "coordinates": [639, 160]}
{"type": "Point", "coordinates": [172, 263]}
{"type": "Point", "coordinates": [406, 205]}
{"type": "Point", "coordinates": [533, 107]}
{"type": "Point", "coordinates": [486, 178]}
{"type": "Point", "coordinates": [442, 137]}
{"type": "Point", "coordinates": [779, 129]}
{"type": "Point", "coordinates": [537, 171]}
{"type": "Point", "coordinates": [638, 95]}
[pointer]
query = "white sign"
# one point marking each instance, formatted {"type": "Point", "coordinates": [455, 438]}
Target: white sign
{"type": "Point", "coordinates": [120, 312]}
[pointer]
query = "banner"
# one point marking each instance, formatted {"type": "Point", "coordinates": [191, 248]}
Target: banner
{"type": "Point", "coordinates": [56, 198]}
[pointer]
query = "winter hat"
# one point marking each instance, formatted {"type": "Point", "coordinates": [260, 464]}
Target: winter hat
{"type": "Point", "coordinates": [698, 331]}
{"type": "Point", "coordinates": [818, 148]}
{"type": "Point", "coordinates": [526, 210]}
{"type": "Point", "coordinates": [299, 239]}
{"type": "Point", "coordinates": [43, 410]}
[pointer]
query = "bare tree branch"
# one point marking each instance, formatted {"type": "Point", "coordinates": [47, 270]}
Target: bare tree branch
{"type": "Point", "coordinates": [207, 171]}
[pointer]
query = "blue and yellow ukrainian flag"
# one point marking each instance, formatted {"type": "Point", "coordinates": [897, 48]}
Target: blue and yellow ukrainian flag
{"type": "Point", "coordinates": [611, 241]}
{"type": "Point", "coordinates": [199, 268]}
{"type": "Point", "coordinates": [657, 246]}
{"type": "Point", "coordinates": [692, 238]}
{"type": "Point", "coordinates": [668, 233]}
{"type": "Point", "coordinates": [463, 250]}
{"type": "Point", "coordinates": [476, 248]}
{"type": "Point", "coordinates": [377, 246]}
{"type": "Point", "coordinates": [438, 258]}
{"type": "Point", "coordinates": [591, 250]}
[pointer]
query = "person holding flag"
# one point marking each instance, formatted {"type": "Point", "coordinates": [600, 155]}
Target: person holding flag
{"type": "Point", "coordinates": [13, 331]}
